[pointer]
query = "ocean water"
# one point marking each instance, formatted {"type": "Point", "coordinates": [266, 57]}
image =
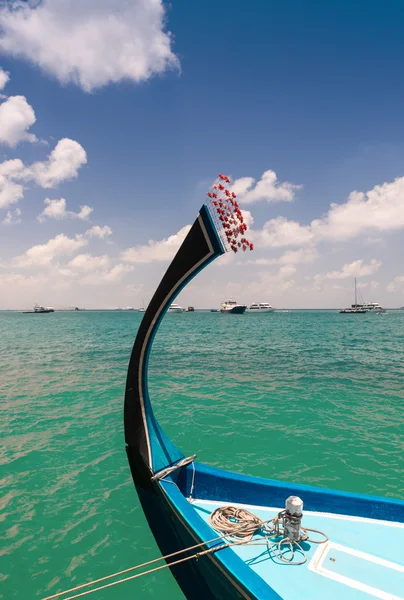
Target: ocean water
{"type": "Point", "coordinates": [307, 396]}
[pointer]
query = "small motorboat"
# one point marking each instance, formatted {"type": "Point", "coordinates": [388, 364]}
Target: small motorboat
{"type": "Point", "coordinates": [190, 309]}
{"type": "Point", "coordinates": [231, 307]}
{"type": "Point", "coordinates": [39, 310]}
{"type": "Point", "coordinates": [175, 308]}
{"type": "Point", "coordinates": [260, 307]}
{"type": "Point", "coordinates": [227, 536]}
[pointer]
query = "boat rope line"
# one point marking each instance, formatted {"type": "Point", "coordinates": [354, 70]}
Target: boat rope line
{"type": "Point", "coordinates": [168, 470]}
{"type": "Point", "coordinates": [195, 556]}
{"type": "Point", "coordinates": [240, 524]}
{"type": "Point", "coordinates": [237, 526]}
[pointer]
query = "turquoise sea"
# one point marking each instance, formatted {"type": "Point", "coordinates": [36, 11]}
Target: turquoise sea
{"type": "Point", "coordinates": [310, 396]}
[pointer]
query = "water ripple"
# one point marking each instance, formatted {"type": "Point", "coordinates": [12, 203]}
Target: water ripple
{"type": "Point", "coordinates": [312, 397]}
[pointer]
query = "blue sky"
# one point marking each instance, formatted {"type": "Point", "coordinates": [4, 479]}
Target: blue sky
{"type": "Point", "coordinates": [160, 98]}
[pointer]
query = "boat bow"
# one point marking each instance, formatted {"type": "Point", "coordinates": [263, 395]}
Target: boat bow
{"type": "Point", "coordinates": [149, 448]}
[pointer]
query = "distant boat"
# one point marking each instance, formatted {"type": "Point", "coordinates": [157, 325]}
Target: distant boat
{"type": "Point", "coordinates": [260, 307]}
{"type": "Point", "coordinates": [128, 308]}
{"type": "Point", "coordinates": [141, 309]}
{"type": "Point", "coordinates": [175, 308]}
{"type": "Point", "coordinates": [214, 310]}
{"type": "Point", "coordinates": [39, 310]}
{"type": "Point", "coordinates": [231, 307]}
{"type": "Point", "coordinates": [355, 308]}
{"type": "Point", "coordinates": [373, 307]}
{"type": "Point", "coordinates": [190, 309]}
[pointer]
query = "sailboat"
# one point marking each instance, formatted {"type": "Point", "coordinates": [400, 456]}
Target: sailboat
{"type": "Point", "coordinates": [355, 308]}
{"type": "Point", "coordinates": [227, 536]}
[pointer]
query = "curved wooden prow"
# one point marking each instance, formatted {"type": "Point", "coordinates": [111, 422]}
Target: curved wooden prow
{"type": "Point", "coordinates": [149, 449]}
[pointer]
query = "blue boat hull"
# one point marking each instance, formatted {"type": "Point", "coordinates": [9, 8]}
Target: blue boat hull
{"type": "Point", "coordinates": [237, 310]}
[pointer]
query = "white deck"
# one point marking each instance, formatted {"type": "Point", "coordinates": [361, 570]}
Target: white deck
{"type": "Point", "coordinates": [363, 559]}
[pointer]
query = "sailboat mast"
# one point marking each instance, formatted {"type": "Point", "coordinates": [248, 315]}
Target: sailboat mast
{"type": "Point", "coordinates": [356, 302]}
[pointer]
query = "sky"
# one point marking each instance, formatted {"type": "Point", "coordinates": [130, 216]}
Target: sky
{"type": "Point", "coordinates": [116, 117]}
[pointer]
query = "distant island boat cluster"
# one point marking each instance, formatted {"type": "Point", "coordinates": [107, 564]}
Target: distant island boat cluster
{"type": "Point", "coordinates": [232, 307]}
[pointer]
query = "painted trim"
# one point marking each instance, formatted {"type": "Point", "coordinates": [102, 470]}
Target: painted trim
{"type": "Point", "coordinates": [151, 328]}
{"type": "Point", "coordinates": [395, 524]}
{"type": "Point", "coordinates": [316, 565]}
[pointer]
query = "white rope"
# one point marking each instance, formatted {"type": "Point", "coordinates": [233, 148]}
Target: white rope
{"type": "Point", "coordinates": [240, 524]}
{"type": "Point", "coordinates": [146, 564]}
{"type": "Point", "coordinates": [108, 585]}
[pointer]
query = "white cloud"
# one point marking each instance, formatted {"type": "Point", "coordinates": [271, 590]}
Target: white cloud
{"type": "Point", "coordinates": [225, 259]}
{"type": "Point", "coordinates": [358, 268]}
{"type": "Point", "coordinates": [287, 271]}
{"type": "Point", "coordinates": [117, 272]}
{"type": "Point", "coordinates": [290, 257]}
{"type": "Point", "coordinates": [100, 232]}
{"type": "Point", "coordinates": [43, 254]}
{"type": "Point", "coordinates": [261, 261]}
{"type": "Point", "coordinates": [89, 42]}
{"type": "Point", "coordinates": [12, 217]}
{"type": "Point", "coordinates": [303, 255]}
{"type": "Point", "coordinates": [268, 188]}
{"type": "Point", "coordinates": [63, 163]}
{"type": "Point", "coordinates": [380, 209]}
{"type": "Point", "coordinates": [56, 209]}
{"type": "Point", "coordinates": [87, 262]}
{"type": "Point", "coordinates": [396, 284]}
{"type": "Point", "coordinates": [114, 274]}
{"type": "Point", "coordinates": [281, 232]}
{"type": "Point", "coordinates": [16, 117]}
{"type": "Point", "coordinates": [10, 191]}
{"type": "Point", "coordinates": [13, 280]}
{"type": "Point", "coordinates": [162, 250]}
{"type": "Point", "coordinates": [4, 78]}
{"type": "Point", "coordinates": [248, 218]}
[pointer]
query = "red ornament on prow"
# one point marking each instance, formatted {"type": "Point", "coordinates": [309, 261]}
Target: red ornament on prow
{"type": "Point", "coordinates": [229, 214]}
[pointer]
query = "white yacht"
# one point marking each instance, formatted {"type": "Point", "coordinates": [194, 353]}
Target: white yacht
{"type": "Point", "coordinates": [373, 307]}
{"type": "Point", "coordinates": [231, 307]}
{"type": "Point", "coordinates": [260, 307]}
{"type": "Point", "coordinates": [175, 308]}
{"type": "Point", "coordinates": [362, 307]}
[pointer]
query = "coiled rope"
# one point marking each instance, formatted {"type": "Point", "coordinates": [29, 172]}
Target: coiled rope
{"type": "Point", "coordinates": [240, 525]}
